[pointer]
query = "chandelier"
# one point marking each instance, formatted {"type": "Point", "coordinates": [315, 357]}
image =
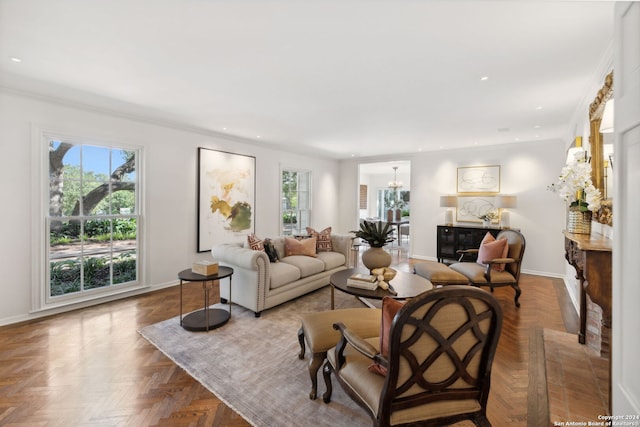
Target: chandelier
{"type": "Point", "coordinates": [395, 184]}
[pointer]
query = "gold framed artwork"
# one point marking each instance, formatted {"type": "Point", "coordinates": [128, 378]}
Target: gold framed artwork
{"type": "Point", "coordinates": [226, 197]}
{"type": "Point", "coordinates": [470, 208]}
{"type": "Point", "coordinates": [478, 179]}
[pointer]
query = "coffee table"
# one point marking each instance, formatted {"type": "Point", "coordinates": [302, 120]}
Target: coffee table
{"type": "Point", "coordinates": [207, 318]}
{"type": "Point", "coordinates": [406, 285]}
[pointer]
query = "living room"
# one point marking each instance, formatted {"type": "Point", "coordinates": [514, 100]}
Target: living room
{"type": "Point", "coordinates": [169, 143]}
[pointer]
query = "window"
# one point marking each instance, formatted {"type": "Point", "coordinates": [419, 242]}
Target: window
{"type": "Point", "coordinates": [296, 201]}
{"type": "Point", "coordinates": [91, 220]}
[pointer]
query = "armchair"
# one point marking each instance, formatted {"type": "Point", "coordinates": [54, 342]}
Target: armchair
{"type": "Point", "coordinates": [441, 346]}
{"type": "Point", "coordinates": [495, 271]}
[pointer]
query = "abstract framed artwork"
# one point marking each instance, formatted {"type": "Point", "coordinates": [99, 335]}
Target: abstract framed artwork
{"type": "Point", "coordinates": [478, 179]}
{"type": "Point", "coordinates": [470, 208]}
{"type": "Point", "coordinates": [226, 197]}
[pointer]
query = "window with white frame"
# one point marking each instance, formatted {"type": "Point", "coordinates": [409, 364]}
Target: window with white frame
{"type": "Point", "coordinates": [296, 201]}
{"type": "Point", "coordinates": [92, 218]}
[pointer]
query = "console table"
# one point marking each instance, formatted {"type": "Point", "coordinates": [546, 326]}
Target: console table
{"type": "Point", "coordinates": [451, 238]}
{"type": "Point", "coordinates": [590, 255]}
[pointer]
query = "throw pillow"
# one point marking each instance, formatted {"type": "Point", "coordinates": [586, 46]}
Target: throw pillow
{"type": "Point", "coordinates": [390, 307]}
{"type": "Point", "coordinates": [270, 249]}
{"type": "Point", "coordinates": [490, 248]}
{"type": "Point", "coordinates": [300, 247]}
{"type": "Point", "coordinates": [255, 243]}
{"type": "Point", "coordinates": [323, 239]}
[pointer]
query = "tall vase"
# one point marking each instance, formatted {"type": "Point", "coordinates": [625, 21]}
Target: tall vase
{"type": "Point", "coordinates": [376, 258]}
{"type": "Point", "coordinates": [398, 214]}
{"type": "Point", "coordinates": [579, 222]}
{"type": "Point", "coordinates": [389, 215]}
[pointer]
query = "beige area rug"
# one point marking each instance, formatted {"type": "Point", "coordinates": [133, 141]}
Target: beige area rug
{"type": "Point", "coordinates": [252, 364]}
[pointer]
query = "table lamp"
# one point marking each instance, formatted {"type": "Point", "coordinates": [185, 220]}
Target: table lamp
{"type": "Point", "coordinates": [503, 202]}
{"type": "Point", "coordinates": [448, 202]}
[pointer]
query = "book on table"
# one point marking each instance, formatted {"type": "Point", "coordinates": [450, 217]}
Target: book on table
{"type": "Point", "coordinates": [363, 281]}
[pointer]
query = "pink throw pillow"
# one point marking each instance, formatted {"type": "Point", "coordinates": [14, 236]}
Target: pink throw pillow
{"type": "Point", "coordinates": [300, 247]}
{"type": "Point", "coordinates": [490, 248]}
{"type": "Point", "coordinates": [390, 307]}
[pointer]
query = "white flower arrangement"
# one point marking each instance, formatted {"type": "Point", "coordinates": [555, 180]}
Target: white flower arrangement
{"type": "Point", "coordinates": [575, 186]}
{"type": "Point", "coordinates": [490, 215]}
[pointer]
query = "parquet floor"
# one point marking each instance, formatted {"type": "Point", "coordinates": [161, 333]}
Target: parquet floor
{"type": "Point", "coordinates": [90, 367]}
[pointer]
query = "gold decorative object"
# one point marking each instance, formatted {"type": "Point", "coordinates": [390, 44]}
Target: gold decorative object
{"type": "Point", "coordinates": [579, 222]}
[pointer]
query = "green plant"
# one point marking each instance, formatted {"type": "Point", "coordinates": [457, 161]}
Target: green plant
{"type": "Point", "coordinates": [375, 233]}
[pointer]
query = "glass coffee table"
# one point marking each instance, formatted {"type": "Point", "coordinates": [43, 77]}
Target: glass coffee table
{"type": "Point", "coordinates": [405, 285]}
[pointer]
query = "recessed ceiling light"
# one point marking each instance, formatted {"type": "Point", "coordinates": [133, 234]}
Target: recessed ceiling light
{"type": "Point", "coordinates": [538, 107]}
{"type": "Point", "coordinates": [224, 128]}
{"type": "Point", "coordinates": [536, 127]}
{"type": "Point", "coordinates": [257, 136]}
{"type": "Point", "coordinates": [15, 59]}
{"type": "Point", "coordinates": [484, 78]}
{"type": "Point", "coordinates": [517, 139]}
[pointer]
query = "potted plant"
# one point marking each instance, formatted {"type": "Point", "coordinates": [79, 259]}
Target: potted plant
{"type": "Point", "coordinates": [377, 236]}
{"type": "Point", "coordinates": [574, 185]}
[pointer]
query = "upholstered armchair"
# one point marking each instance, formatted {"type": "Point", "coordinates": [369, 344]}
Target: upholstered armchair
{"type": "Point", "coordinates": [498, 263]}
{"type": "Point", "coordinates": [432, 367]}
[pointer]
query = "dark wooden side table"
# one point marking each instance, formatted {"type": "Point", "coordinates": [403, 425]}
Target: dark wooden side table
{"type": "Point", "coordinates": [207, 318]}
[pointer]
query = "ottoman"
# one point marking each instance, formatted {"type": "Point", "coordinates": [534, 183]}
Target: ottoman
{"type": "Point", "coordinates": [317, 330]}
{"type": "Point", "coordinates": [439, 274]}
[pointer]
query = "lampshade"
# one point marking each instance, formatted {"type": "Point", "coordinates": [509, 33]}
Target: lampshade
{"type": "Point", "coordinates": [448, 201]}
{"type": "Point", "coordinates": [505, 201]}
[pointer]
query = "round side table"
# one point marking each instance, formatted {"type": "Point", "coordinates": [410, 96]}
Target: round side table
{"type": "Point", "coordinates": [207, 318]}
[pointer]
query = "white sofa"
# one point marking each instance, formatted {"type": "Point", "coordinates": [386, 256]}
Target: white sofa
{"type": "Point", "coordinates": [258, 284]}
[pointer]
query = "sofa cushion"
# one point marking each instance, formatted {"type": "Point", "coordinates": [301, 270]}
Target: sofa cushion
{"type": "Point", "coordinates": [332, 259]}
{"type": "Point", "coordinates": [305, 247]}
{"type": "Point", "coordinates": [282, 273]}
{"type": "Point", "coordinates": [305, 264]}
{"type": "Point", "coordinates": [323, 239]}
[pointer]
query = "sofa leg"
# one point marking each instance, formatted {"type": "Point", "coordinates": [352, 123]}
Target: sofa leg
{"type": "Point", "coordinates": [223, 300]}
{"type": "Point", "coordinates": [257, 314]}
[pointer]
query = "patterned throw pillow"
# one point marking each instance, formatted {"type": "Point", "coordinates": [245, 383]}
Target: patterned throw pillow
{"type": "Point", "coordinates": [490, 248]}
{"type": "Point", "coordinates": [323, 239]}
{"type": "Point", "coordinates": [255, 243]}
{"type": "Point", "coordinates": [270, 249]}
{"type": "Point", "coordinates": [300, 247]}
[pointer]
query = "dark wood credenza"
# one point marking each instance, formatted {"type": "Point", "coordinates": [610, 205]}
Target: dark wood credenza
{"type": "Point", "coordinates": [451, 238]}
{"type": "Point", "coordinates": [590, 255]}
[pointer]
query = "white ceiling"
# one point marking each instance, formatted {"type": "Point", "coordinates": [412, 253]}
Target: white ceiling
{"type": "Point", "coordinates": [340, 78]}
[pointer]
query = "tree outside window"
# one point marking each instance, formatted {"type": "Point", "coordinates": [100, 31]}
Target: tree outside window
{"type": "Point", "coordinates": [92, 218]}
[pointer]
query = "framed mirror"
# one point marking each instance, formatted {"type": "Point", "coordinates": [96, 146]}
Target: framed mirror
{"type": "Point", "coordinates": [601, 147]}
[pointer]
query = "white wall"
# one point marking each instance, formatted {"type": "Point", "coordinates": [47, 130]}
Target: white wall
{"type": "Point", "coordinates": [526, 171]}
{"type": "Point", "coordinates": [169, 178]}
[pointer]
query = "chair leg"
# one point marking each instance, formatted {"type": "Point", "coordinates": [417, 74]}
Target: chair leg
{"type": "Point", "coordinates": [326, 373]}
{"type": "Point", "coordinates": [302, 344]}
{"type": "Point", "coordinates": [482, 421]}
{"type": "Point", "coordinates": [314, 364]}
{"type": "Point", "coordinates": [518, 293]}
